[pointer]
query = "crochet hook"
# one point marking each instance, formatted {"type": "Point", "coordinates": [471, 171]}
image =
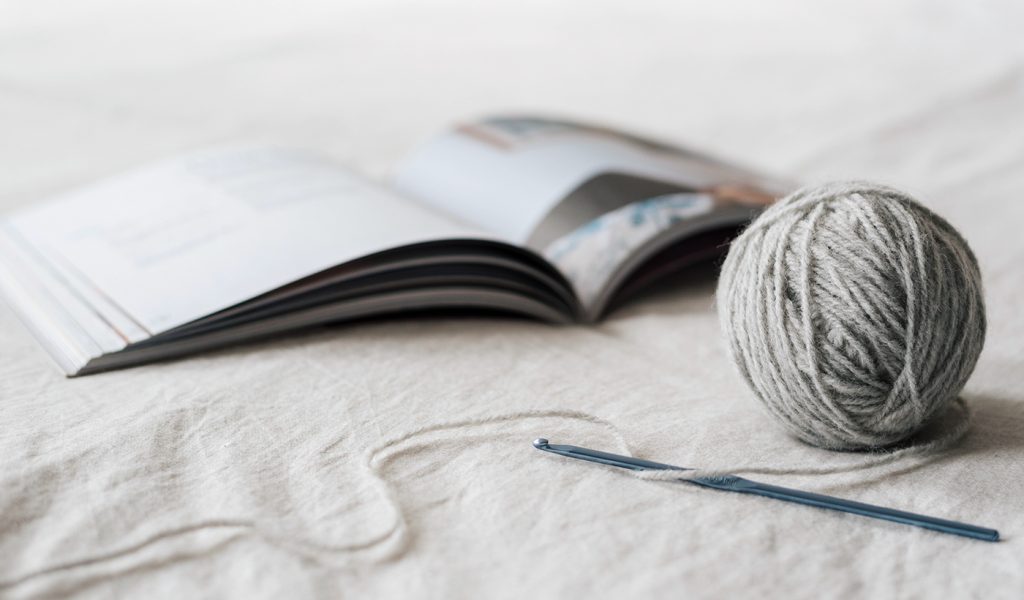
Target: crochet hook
{"type": "Point", "coordinates": [731, 483]}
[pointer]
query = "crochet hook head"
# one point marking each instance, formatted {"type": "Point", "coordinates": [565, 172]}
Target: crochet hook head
{"type": "Point", "coordinates": [604, 458]}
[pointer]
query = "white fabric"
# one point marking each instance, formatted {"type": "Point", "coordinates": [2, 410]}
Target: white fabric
{"type": "Point", "coordinates": [243, 473]}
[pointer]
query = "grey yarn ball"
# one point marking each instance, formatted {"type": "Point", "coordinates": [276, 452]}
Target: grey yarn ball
{"type": "Point", "coordinates": [854, 313]}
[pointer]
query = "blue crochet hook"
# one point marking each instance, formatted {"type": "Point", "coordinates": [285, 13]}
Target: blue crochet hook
{"type": "Point", "coordinates": [731, 483]}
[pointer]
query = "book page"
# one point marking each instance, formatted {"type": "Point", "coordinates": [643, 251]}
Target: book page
{"type": "Point", "coordinates": [168, 244]}
{"type": "Point", "coordinates": [587, 198]}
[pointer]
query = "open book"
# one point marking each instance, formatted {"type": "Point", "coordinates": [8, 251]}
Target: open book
{"type": "Point", "coordinates": [539, 217]}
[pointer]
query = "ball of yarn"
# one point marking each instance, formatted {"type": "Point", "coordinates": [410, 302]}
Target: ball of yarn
{"type": "Point", "coordinates": [854, 313]}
